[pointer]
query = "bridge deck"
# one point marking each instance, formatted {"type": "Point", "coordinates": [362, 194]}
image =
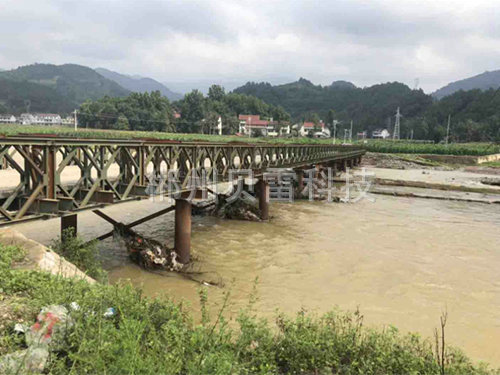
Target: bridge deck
{"type": "Point", "coordinates": [46, 175]}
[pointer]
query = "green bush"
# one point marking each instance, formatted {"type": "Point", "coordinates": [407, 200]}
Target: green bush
{"type": "Point", "coordinates": [84, 255]}
{"type": "Point", "coordinates": [158, 336]}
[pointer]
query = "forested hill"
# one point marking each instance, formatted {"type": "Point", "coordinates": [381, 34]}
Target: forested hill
{"type": "Point", "coordinates": [22, 96]}
{"type": "Point", "coordinates": [483, 81]}
{"type": "Point", "coordinates": [368, 107]}
{"type": "Point", "coordinates": [75, 83]}
{"type": "Point", "coordinates": [139, 84]}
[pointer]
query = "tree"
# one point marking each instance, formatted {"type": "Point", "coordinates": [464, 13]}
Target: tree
{"type": "Point", "coordinates": [122, 123]}
{"type": "Point", "coordinates": [216, 93]}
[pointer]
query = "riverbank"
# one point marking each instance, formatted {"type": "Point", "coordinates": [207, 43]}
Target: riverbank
{"type": "Point", "coordinates": [157, 336]}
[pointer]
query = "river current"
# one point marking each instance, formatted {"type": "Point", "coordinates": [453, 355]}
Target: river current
{"type": "Point", "coordinates": [401, 261]}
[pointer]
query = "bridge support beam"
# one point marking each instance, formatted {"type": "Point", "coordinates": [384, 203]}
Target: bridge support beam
{"type": "Point", "coordinates": [183, 230]}
{"type": "Point", "coordinates": [263, 193]}
{"type": "Point", "coordinates": [67, 222]}
{"type": "Point", "coordinates": [300, 183]}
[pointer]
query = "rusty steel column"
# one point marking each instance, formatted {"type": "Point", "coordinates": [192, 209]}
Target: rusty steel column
{"type": "Point", "coordinates": [344, 165]}
{"type": "Point", "coordinates": [300, 179]}
{"type": "Point", "coordinates": [263, 191]}
{"type": "Point", "coordinates": [51, 172]}
{"type": "Point", "coordinates": [183, 229]}
{"type": "Point", "coordinates": [69, 221]}
{"type": "Point", "coordinates": [142, 166]}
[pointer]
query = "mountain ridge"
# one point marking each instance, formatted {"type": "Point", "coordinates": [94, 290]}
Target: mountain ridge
{"type": "Point", "coordinates": [484, 81]}
{"type": "Point", "coordinates": [76, 82]}
{"type": "Point", "coordinates": [136, 83]}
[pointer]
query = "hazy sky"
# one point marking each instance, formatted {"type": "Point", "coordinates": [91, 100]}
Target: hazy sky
{"type": "Point", "coordinates": [365, 42]}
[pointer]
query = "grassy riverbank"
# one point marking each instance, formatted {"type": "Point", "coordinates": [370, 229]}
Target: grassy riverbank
{"type": "Point", "coordinates": [158, 336]}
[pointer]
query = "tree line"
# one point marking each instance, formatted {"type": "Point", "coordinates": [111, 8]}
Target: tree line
{"type": "Point", "coordinates": [198, 113]}
{"type": "Point", "coordinates": [475, 114]}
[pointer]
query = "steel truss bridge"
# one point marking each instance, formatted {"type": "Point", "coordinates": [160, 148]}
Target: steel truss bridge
{"type": "Point", "coordinates": [52, 176]}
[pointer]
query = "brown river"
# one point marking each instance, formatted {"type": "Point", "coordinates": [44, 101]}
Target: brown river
{"type": "Point", "coordinates": [402, 261]}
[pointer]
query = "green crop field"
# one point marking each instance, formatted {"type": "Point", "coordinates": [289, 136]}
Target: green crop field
{"type": "Point", "coordinates": [401, 147]}
{"type": "Point", "coordinates": [386, 146]}
{"type": "Point", "coordinates": [10, 130]}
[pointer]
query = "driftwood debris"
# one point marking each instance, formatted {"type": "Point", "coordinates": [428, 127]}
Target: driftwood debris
{"type": "Point", "coordinates": [240, 209]}
{"type": "Point", "coordinates": [156, 257]}
{"type": "Point", "coordinates": [148, 253]}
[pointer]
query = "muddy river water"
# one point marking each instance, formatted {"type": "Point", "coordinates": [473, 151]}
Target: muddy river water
{"type": "Point", "coordinates": [402, 261]}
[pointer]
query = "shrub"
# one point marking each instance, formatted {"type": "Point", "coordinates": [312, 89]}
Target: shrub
{"type": "Point", "coordinates": [84, 255]}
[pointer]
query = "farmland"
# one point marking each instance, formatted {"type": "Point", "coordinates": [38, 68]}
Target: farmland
{"type": "Point", "coordinates": [381, 146]}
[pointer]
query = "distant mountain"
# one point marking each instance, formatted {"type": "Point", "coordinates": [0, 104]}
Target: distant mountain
{"type": "Point", "coordinates": [369, 107]}
{"type": "Point", "coordinates": [343, 85]}
{"type": "Point", "coordinates": [74, 82]}
{"type": "Point", "coordinates": [138, 84]}
{"type": "Point", "coordinates": [483, 81]}
{"type": "Point", "coordinates": [22, 96]}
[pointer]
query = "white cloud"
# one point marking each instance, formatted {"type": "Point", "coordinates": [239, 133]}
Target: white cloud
{"type": "Point", "coordinates": [365, 42]}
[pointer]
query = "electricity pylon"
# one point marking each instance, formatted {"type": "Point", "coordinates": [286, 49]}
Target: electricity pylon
{"type": "Point", "coordinates": [397, 125]}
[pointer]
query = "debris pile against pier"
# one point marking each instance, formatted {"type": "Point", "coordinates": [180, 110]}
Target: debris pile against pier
{"type": "Point", "coordinates": [240, 209]}
{"type": "Point", "coordinates": [148, 253]}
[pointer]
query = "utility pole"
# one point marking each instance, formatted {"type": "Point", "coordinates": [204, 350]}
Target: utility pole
{"type": "Point", "coordinates": [448, 129]}
{"type": "Point", "coordinates": [350, 134]}
{"type": "Point", "coordinates": [76, 121]}
{"type": "Point", "coordinates": [335, 122]}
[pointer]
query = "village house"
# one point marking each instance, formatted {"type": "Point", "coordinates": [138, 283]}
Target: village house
{"type": "Point", "coordinates": [26, 119]}
{"type": "Point", "coordinates": [251, 123]}
{"type": "Point", "coordinates": [40, 119]}
{"type": "Point", "coordinates": [69, 121]}
{"type": "Point", "coordinates": [318, 130]}
{"type": "Point", "coordinates": [381, 134]}
{"type": "Point", "coordinates": [47, 119]}
{"type": "Point", "coordinates": [7, 119]}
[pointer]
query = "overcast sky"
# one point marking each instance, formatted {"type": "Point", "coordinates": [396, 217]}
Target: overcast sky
{"type": "Point", "coordinates": [365, 42]}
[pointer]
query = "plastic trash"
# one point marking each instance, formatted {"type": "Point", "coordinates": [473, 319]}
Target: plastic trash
{"type": "Point", "coordinates": [46, 334]}
{"type": "Point", "coordinates": [109, 312]}
{"type": "Point", "coordinates": [74, 306]}
{"type": "Point", "coordinates": [20, 328]}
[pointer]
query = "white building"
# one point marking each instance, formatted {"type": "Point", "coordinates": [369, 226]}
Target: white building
{"type": "Point", "coordinates": [381, 134]}
{"type": "Point", "coordinates": [7, 119]}
{"type": "Point", "coordinates": [26, 119]}
{"type": "Point", "coordinates": [40, 119]}
{"type": "Point", "coordinates": [319, 130]}
{"type": "Point", "coordinates": [70, 121]}
{"type": "Point", "coordinates": [254, 123]}
{"type": "Point", "coordinates": [47, 119]}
